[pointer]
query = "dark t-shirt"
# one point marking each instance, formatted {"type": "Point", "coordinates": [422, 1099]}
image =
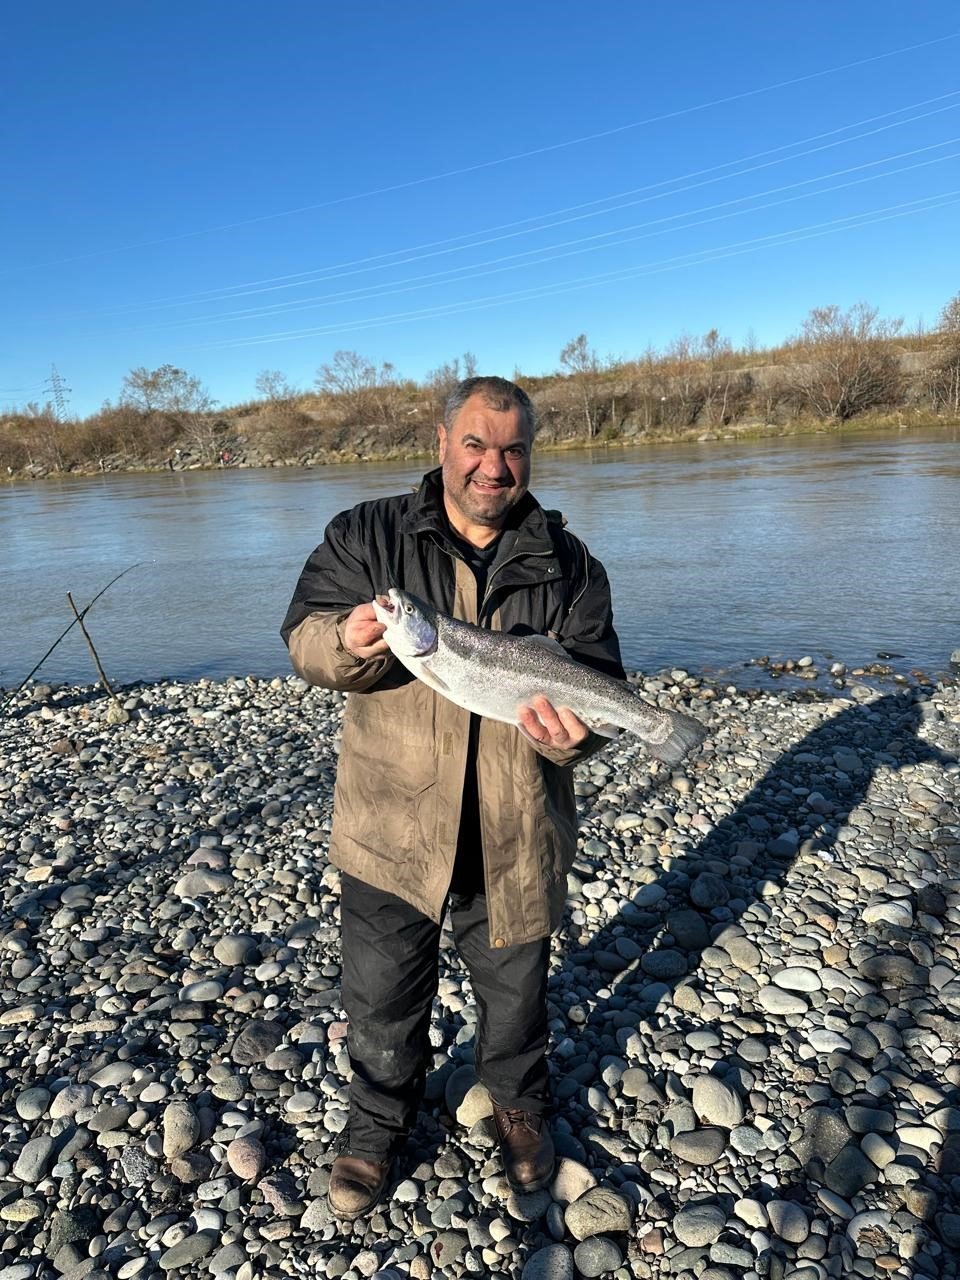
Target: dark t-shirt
{"type": "Point", "coordinates": [468, 867]}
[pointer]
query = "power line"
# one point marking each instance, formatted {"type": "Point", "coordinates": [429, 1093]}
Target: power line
{"type": "Point", "coordinates": [437, 248]}
{"type": "Point", "coordinates": [700, 257]}
{"type": "Point", "coordinates": [600, 240]}
{"type": "Point", "coordinates": [501, 160]}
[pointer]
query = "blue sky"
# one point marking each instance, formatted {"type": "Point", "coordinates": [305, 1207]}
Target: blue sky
{"type": "Point", "coordinates": [248, 186]}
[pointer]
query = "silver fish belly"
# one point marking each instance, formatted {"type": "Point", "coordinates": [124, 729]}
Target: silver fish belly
{"type": "Point", "coordinates": [493, 674]}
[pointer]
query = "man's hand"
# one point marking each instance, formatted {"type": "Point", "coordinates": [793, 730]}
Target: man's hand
{"type": "Point", "coordinates": [362, 634]}
{"type": "Point", "coordinates": [551, 726]}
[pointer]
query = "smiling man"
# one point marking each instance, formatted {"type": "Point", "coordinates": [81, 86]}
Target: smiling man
{"type": "Point", "coordinates": [438, 811]}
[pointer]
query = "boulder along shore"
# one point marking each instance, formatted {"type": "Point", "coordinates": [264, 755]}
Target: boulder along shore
{"type": "Point", "coordinates": [754, 1002]}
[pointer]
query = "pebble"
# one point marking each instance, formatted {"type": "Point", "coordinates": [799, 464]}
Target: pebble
{"type": "Point", "coordinates": [753, 1001]}
{"type": "Point", "coordinates": [181, 1128]}
{"type": "Point", "coordinates": [555, 1262]}
{"type": "Point", "coordinates": [699, 1224]}
{"type": "Point", "coordinates": [716, 1102]}
{"type": "Point", "coordinates": [597, 1256]}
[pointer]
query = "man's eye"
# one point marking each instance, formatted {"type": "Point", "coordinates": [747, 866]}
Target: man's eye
{"type": "Point", "coordinates": [517, 453]}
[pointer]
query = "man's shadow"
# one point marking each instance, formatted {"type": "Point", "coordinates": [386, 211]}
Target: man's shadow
{"type": "Point", "coordinates": [632, 968]}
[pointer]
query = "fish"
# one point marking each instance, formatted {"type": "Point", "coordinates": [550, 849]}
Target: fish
{"type": "Point", "coordinates": [494, 674]}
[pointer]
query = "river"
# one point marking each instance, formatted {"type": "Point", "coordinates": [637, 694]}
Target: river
{"type": "Point", "coordinates": [844, 544]}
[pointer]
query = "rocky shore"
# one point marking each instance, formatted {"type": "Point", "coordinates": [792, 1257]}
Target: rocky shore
{"type": "Point", "coordinates": [754, 999]}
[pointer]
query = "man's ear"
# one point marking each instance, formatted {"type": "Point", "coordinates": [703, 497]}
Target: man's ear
{"type": "Point", "coordinates": [441, 440]}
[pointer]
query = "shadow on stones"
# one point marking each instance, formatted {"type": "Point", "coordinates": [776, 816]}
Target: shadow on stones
{"type": "Point", "coordinates": [647, 960]}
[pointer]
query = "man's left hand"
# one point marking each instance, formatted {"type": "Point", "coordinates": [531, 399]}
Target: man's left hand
{"type": "Point", "coordinates": [551, 726]}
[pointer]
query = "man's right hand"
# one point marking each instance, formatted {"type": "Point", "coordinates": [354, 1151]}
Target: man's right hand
{"type": "Point", "coordinates": [362, 634]}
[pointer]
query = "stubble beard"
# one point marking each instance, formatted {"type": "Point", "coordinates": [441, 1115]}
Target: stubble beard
{"type": "Point", "coordinates": [488, 507]}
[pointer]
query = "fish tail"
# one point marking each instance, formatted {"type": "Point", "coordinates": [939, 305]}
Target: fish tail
{"type": "Point", "coordinates": [685, 736]}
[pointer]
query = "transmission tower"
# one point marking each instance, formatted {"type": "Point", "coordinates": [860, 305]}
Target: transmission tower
{"type": "Point", "coordinates": [58, 392]}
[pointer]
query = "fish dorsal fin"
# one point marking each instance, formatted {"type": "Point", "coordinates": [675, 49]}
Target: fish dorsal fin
{"type": "Point", "coordinates": [551, 645]}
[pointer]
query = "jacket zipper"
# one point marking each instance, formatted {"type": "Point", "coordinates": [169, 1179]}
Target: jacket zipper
{"type": "Point", "coordinates": [523, 555]}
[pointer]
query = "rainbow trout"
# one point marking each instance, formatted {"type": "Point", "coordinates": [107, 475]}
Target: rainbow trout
{"type": "Point", "coordinates": [493, 674]}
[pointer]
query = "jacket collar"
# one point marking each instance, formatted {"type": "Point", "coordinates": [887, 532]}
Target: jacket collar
{"type": "Point", "coordinates": [528, 521]}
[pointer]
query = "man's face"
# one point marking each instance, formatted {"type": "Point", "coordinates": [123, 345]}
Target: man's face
{"type": "Point", "coordinates": [485, 456]}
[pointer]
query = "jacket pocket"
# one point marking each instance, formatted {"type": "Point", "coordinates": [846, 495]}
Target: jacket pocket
{"type": "Point", "coordinates": [382, 809]}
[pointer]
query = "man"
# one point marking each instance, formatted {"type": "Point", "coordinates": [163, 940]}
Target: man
{"type": "Point", "coordinates": [438, 810]}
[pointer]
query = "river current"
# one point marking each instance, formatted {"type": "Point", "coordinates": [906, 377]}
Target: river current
{"type": "Point", "coordinates": [844, 544]}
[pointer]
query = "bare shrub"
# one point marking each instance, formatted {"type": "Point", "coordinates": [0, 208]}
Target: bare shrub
{"type": "Point", "coordinates": [942, 377]}
{"type": "Point", "coordinates": [286, 432]}
{"type": "Point", "coordinates": [845, 365]}
{"type": "Point", "coordinates": [367, 395]}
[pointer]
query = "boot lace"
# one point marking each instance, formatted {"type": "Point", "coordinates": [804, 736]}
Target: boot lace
{"type": "Point", "coordinates": [511, 1118]}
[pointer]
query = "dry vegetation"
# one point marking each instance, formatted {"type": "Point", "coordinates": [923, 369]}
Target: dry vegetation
{"type": "Point", "coordinates": [842, 366]}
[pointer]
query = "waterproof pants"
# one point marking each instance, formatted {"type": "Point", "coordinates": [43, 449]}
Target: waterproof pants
{"type": "Point", "coordinates": [390, 975]}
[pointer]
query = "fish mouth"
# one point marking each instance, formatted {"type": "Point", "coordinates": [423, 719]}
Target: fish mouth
{"type": "Point", "coordinates": [386, 604]}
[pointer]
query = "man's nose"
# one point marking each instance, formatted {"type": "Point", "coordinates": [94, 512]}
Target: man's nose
{"type": "Point", "coordinates": [494, 465]}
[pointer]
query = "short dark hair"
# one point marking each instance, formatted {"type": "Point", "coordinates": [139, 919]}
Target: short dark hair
{"type": "Point", "coordinates": [498, 393]}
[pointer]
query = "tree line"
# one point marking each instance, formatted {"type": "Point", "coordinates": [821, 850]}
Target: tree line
{"type": "Point", "coordinates": [842, 365]}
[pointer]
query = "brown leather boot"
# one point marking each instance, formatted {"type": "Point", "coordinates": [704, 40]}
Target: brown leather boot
{"type": "Point", "coordinates": [356, 1185]}
{"type": "Point", "coordinates": [525, 1147]}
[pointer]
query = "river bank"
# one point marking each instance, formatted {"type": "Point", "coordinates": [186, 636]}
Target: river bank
{"type": "Point", "coordinates": [754, 1001]}
{"type": "Point", "coordinates": [372, 445]}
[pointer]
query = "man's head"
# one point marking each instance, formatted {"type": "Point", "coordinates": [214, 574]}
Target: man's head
{"type": "Point", "coordinates": [485, 442]}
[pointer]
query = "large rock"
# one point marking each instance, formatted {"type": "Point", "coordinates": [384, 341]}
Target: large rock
{"type": "Point", "coordinates": [197, 884]}
{"type": "Point", "coordinates": [256, 1042]}
{"type": "Point", "coordinates": [699, 1224]}
{"type": "Point", "coordinates": [181, 1128]}
{"type": "Point", "coordinates": [716, 1102]}
{"type": "Point", "coordinates": [599, 1210]}
{"type": "Point", "coordinates": [34, 1160]}
{"type": "Point", "coordinates": [555, 1262]}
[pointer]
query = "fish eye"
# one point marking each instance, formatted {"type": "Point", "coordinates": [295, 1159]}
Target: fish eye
{"type": "Point", "coordinates": [408, 608]}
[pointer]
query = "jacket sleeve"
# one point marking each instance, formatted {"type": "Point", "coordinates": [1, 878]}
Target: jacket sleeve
{"type": "Point", "coordinates": [588, 636]}
{"type": "Point", "coordinates": [335, 579]}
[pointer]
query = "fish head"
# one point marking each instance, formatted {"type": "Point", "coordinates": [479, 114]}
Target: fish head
{"type": "Point", "coordinates": [411, 630]}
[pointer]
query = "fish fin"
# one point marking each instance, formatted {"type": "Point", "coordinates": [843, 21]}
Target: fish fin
{"type": "Point", "coordinates": [548, 643]}
{"type": "Point", "coordinates": [685, 734]}
{"type": "Point", "coordinates": [606, 730]}
{"type": "Point", "coordinates": [434, 678]}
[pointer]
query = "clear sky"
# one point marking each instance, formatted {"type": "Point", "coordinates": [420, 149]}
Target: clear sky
{"type": "Point", "coordinates": [232, 187]}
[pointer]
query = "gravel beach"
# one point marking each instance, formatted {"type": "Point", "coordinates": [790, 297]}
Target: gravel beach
{"type": "Point", "coordinates": [754, 1000]}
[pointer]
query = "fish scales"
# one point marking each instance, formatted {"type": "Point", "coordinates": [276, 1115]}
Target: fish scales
{"type": "Point", "coordinates": [518, 668]}
{"type": "Point", "coordinates": [494, 674]}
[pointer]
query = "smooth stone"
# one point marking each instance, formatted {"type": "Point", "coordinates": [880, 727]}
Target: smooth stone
{"type": "Point", "coordinates": [716, 1102]}
{"type": "Point", "coordinates": [246, 1158]}
{"type": "Point", "coordinates": [32, 1103]}
{"type": "Point", "coordinates": [895, 913]}
{"type": "Point", "coordinates": [554, 1262]}
{"type": "Point", "coordinates": [181, 1128]}
{"type": "Point", "coordinates": [776, 1000]}
{"type": "Point", "coordinates": [196, 884]}
{"type": "Point", "coordinates": [596, 1256]}
{"type": "Point", "coordinates": [796, 978]}
{"type": "Point", "coordinates": [699, 1224]}
{"type": "Point", "coordinates": [34, 1160]}
{"type": "Point", "coordinates": [202, 992]}
{"type": "Point", "coordinates": [788, 1220]}
{"type": "Point", "coordinates": [189, 1250]}
{"type": "Point", "coordinates": [699, 1146]}
{"type": "Point", "coordinates": [571, 1180]}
